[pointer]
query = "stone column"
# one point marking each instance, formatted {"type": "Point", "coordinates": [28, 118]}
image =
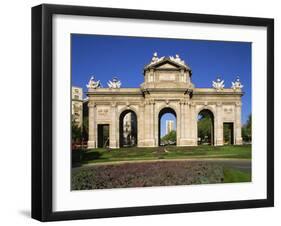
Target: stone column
{"type": "Point", "coordinates": [141, 126]}
{"type": "Point", "coordinates": [92, 129]}
{"type": "Point", "coordinates": [218, 125]}
{"type": "Point", "coordinates": [113, 133]}
{"type": "Point", "coordinates": [237, 126]}
{"type": "Point", "coordinates": [180, 123]}
{"type": "Point", "coordinates": [147, 121]}
{"type": "Point", "coordinates": [183, 120]}
{"type": "Point", "coordinates": [149, 126]}
{"type": "Point", "coordinates": [149, 76]}
{"type": "Point", "coordinates": [182, 76]}
{"type": "Point", "coordinates": [156, 124]}
{"type": "Point", "coordinates": [153, 123]}
{"type": "Point", "coordinates": [193, 125]}
{"type": "Point", "coordinates": [185, 125]}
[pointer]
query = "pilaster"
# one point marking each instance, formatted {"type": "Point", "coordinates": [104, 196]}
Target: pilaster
{"type": "Point", "coordinates": [141, 125]}
{"type": "Point", "coordinates": [113, 133]}
{"type": "Point", "coordinates": [218, 125]}
{"type": "Point", "coordinates": [92, 126]}
{"type": "Point", "coordinates": [237, 126]}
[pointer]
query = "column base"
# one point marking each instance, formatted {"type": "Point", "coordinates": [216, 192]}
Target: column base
{"type": "Point", "coordinates": [113, 144]}
{"type": "Point", "coordinates": [238, 141]}
{"type": "Point", "coordinates": [146, 143]}
{"type": "Point", "coordinates": [91, 144]}
{"type": "Point", "coordinates": [187, 142]}
{"type": "Point", "coordinates": [219, 142]}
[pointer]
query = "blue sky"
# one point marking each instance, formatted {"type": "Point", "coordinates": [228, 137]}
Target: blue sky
{"type": "Point", "coordinates": [124, 57]}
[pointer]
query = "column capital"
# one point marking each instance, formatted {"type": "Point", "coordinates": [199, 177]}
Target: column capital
{"type": "Point", "coordinates": [183, 101]}
{"type": "Point", "coordinates": [151, 101]}
{"type": "Point", "coordinates": [192, 104]}
{"type": "Point", "coordinates": [91, 104]}
{"type": "Point", "coordinates": [219, 104]}
{"type": "Point", "coordinates": [238, 104]}
{"type": "Point", "coordinates": [141, 104]}
{"type": "Point", "coordinates": [113, 104]}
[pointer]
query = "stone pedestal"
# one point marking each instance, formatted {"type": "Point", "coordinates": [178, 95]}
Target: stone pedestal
{"type": "Point", "coordinates": [91, 144]}
{"type": "Point", "coordinates": [238, 141]}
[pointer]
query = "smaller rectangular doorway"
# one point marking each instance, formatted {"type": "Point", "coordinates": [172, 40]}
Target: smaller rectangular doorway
{"type": "Point", "coordinates": [103, 135]}
{"type": "Point", "coordinates": [228, 133]}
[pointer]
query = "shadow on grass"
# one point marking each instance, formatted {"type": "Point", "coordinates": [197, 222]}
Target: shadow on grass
{"type": "Point", "coordinates": [93, 155]}
{"type": "Point", "coordinates": [232, 175]}
{"type": "Point", "coordinates": [81, 156]}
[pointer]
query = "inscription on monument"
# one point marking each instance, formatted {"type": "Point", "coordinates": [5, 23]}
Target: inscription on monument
{"type": "Point", "coordinates": [103, 113]}
{"type": "Point", "coordinates": [228, 113]}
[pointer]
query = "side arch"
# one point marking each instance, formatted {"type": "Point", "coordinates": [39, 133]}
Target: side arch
{"type": "Point", "coordinates": [205, 112]}
{"type": "Point", "coordinates": [210, 108]}
{"type": "Point", "coordinates": [128, 137]}
{"type": "Point", "coordinates": [130, 108]}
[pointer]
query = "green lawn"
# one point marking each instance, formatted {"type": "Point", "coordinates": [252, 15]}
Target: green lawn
{"type": "Point", "coordinates": [233, 175]}
{"type": "Point", "coordinates": [168, 152]}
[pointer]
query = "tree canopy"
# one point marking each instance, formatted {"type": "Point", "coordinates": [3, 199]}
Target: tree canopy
{"type": "Point", "coordinates": [76, 132]}
{"type": "Point", "coordinates": [171, 137]}
{"type": "Point", "coordinates": [247, 129]}
{"type": "Point", "coordinates": [205, 127]}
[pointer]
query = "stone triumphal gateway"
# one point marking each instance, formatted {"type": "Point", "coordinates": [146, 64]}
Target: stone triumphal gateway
{"type": "Point", "coordinates": [167, 88]}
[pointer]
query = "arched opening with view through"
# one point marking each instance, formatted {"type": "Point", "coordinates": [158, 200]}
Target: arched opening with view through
{"type": "Point", "coordinates": [128, 131]}
{"type": "Point", "coordinates": [205, 127]}
{"type": "Point", "coordinates": [167, 127]}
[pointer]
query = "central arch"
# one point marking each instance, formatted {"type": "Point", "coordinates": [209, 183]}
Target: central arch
{"type": "Point", "coordinates": [128, 129]}
{"type": "Point", "coordinates": [161, 113]}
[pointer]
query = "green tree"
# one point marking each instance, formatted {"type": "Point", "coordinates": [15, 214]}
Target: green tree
{"type": "Point", "coordinates": [76, 132]}
{"type": "Point", "coordinates": [247, 129]}
{"type": "Point", "coordinates": [227, 133]}
{"type": "Point", "coordinates": [85, 131]}
{"type": "Point", "coordinates": [205, 127]}
{"type": "Point", "coordinates": [170, 137]}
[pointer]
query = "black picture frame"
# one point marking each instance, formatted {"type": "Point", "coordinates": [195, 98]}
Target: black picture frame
{"type": "Point", "coordinates": [42, 111]}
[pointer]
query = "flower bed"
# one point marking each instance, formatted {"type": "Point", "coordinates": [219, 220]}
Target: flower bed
{"type": "Point", "coordinates": [146, 174]}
